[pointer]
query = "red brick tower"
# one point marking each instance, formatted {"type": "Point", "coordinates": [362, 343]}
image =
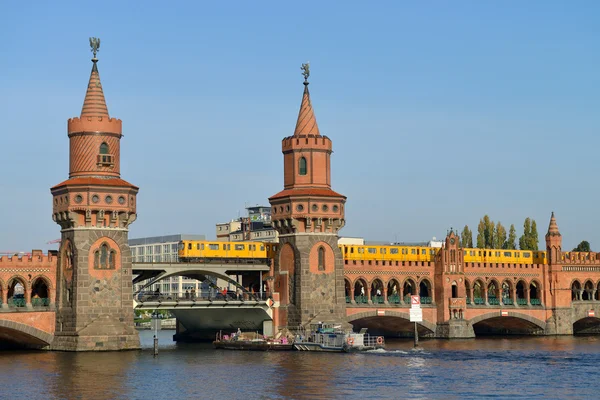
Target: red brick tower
{"type": "Point", "coordinates": [557, 294]}
{"type": "Point", "coordinates": [450, 295]}
{"type": "Point", "coordinates": [308, 215]}
{"type": "Point", "coordinates": [94, 208]}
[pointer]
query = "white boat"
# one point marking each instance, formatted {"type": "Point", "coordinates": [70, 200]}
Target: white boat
{"type": "Point", "coordinates": [331, 338]}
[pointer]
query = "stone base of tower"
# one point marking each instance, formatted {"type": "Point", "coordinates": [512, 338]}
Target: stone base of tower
{"type": "Point", "coordinates": [455, 329]}
{"type": "Point", "coordinates": [316, 292]}
{"type": "Point", "coordinates": [560, 323]}
{"type": "Point", "coordinates": [104, 334]}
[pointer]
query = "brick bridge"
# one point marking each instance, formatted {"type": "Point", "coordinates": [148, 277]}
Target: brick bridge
{"type": "Point", "coordinates": [463, 299]}
{"type": "Point", "coordinates": [460, 299]}
{"type": "Point", "coordinates": [28, 288]}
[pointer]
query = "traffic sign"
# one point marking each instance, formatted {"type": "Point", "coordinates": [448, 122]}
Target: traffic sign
{"type": "Point", "coordinates": [415, 301]}
{"type": "Point", "coordinates": [416, 315]}
{"type": "Point", "coordinates": [591, 313]}
{"type": "Point", "coordinates": [504, 313]}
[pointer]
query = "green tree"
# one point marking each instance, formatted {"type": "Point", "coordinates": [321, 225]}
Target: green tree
{"type": "Point", "coordinates": [480, 235]}
{"type": "Point", "coordinates": [583, 246]}
{"type": "Point", "coordinates": [524, 239]}
{"type": "Point", "coordinates": [488, 232]}
{"type": "Point", "coordinates": [511, 242]}
{"type": "Point", "coordinates": [466, 237]}
{"type": "Point", "coordinates": [500, 236]}
{"type": "Point", "coordinates": [534, 239]}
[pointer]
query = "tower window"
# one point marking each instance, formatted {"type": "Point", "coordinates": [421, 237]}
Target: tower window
{"type": "Point", "coordinates": [321, 259]}
{"type": "Point", "coordinates": [105, 257]}
{"type": "Point", "coordinates": [105, 159]}
{"type": "Point", "coordinates": [302, 165]}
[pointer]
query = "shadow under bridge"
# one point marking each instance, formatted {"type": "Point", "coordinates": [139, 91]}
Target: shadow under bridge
{"type": "Point", "coordinates": [391, 324]}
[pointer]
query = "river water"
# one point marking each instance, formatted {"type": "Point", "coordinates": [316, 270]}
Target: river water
{"type": "Point", "coordinates": [527, 367]}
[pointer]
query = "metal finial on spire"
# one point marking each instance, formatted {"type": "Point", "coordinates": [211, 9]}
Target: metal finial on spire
{"type": "Point", "coordinates": [95, 45]}
{"type": "Point", "coordinates": [305, 71]}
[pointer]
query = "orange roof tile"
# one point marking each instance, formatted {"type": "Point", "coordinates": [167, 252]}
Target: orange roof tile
{"type": "Point", "coordinates": [306, 192]}
{"type": "Point", "coordinates": [96, 182]}
{"type": "Point", "coordinates": [307, 123]}
{"type": "Point", "coordinates": [94, 104]}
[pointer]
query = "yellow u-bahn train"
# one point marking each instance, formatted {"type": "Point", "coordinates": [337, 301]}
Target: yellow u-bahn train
{"type": "Point", "coordinates": [388, 253]}
{"type": "Point", "coordinates": [206, 250]}
{"type": "Point", "coordinates": [504, 256]}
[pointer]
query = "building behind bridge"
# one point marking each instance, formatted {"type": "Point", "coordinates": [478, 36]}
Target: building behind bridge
{"type": "Point", "coordinates": [163, 249]}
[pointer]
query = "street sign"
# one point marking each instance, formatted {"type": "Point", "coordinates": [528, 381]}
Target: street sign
{"type": "Point", "coordinates": [591, 313]}
{"type": "Point", "coordinates": [416, 315]}
{"type": "Point", "coordinates": [270, 303]}
{"type": "Point", "coordinates": [415, 301]}
{"type": "Point", "coordinates": [380, 313]}
{"type": "Point", "coordinates": [504, 313]}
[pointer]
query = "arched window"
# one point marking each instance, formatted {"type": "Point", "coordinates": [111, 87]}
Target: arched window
{"type": "Point", "coordinates": [111, 260]}
{"type": "Point", "coordinates": [321, 259]}
{"type": "Point", "coordinates": [302, 165]}
{"type": "Point", "coordinates": [105, 257]}
{"type": "Point", "coordinates": [104, 148]}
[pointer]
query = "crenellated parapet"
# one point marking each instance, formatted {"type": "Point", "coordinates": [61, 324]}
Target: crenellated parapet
{"type": "Point", "coordinates": [306, 142]}
{"type": "Point", "coordinates": [94, 124]}
{"type": "Point", "coordinates": [36, 257]}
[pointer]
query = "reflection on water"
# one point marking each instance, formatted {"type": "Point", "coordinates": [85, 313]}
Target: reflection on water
{"type": "Point", "coordinates": [528, 367]}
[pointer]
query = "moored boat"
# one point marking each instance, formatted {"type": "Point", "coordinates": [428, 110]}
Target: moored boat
{"type": "Point", "coordinates": [330, 338]}
{"type": "Point", "coordinates": [252, 341]}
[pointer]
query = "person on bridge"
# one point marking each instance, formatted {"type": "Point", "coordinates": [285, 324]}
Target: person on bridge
{"type": "Point", "coordinates": [224, 293]}
{"type": "Point", "coordinates": [193, 293]}
{"type": "Point", "coordinates": [187, 294]}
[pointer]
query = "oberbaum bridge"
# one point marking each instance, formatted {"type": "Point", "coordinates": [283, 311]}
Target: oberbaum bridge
{"type": "Point", "coordinates": [81, 298]}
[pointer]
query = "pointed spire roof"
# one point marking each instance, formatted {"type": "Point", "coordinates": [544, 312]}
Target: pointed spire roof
{"type": "Point", "coordinates": [94, 104]}
{"type": "Point", "coordinates": [307, 123]}
{"type": "Point", "coordinates": [553, 227]}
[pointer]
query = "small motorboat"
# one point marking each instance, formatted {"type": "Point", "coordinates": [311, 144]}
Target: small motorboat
{"type": "Point", "coordinates": [331, 338]}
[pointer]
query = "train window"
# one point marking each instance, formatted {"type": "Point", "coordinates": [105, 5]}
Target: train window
{"type": "Point", "coordinates": [197, 246]}
{"type": "Point", "coordinates": [479, 253]}
{"type": "Point", "coordinates": [382, 250]}
{"type": "Point", "coordinates": [274, 247]}
{"type": "Point", "coordinates": [412, 251]}
{"type": "Point", "coordinates": [485, 253]}
{"type": "Point", "coordinates": [239, 247]}
{"type": "Point", "coordinates": [189, 246]}
{"type": "Point", "coordinates": [393, 251]}
{"type": "Point", "coordinates": [213, 246]}
{"type": "Point", "coordinates": [351, 250]}
{"type": "Point", "coordinates": [423, 251]}
{"type": "Point", "coordinates": [262, 247]}
{"type": "Point", "coordinates": [497, 254]}
{"type": "Point", "coordinates": [372, 250]}
{"type": "Point", "coordinates": [269, 247]}
{"type": "Point", "coordinates": [202, 246]}
{"type": "Point", "coordinates": [432, 252]}
{"type": "Point", "coordinates": [361, 250]}
{"type": "Point", "coordinates": [516, 254]}
{"type": "Point", "coordinates": [526, 254]}
{"type": "Point", "coordinates": [404, 251]}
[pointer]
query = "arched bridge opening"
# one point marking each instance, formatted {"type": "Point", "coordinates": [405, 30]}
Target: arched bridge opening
{"type": "Point", "coordinates": [587, 326]}
{"type": "Point", "coordinates": [15, 335]}
{"type": "Point", "coordinates": [392, 324]}
{"type": "Point", "coordinates": [492, 324]}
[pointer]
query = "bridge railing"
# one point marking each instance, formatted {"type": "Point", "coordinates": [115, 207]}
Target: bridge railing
{"type": "Point", "coordinates": [202, 295]}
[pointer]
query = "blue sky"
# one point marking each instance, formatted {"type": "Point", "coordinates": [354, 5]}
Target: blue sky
{"type": "Point", "coordinates": [439, 112]}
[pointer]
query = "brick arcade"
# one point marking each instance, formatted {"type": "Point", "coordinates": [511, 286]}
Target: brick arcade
{"type": "Point", "coordinates": [81, 297]}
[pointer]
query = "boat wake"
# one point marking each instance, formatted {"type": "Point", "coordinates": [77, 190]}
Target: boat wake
{"type": "Point", "coordinates": [384, 351]}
